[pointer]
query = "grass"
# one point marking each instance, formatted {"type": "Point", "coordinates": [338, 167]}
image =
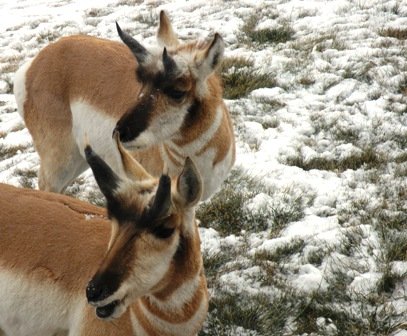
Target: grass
{"type": "Point", "coordinates": [229, 312]}
{"type": "Point", "coordinates": [129, 2]}
{"type": "Point", "coordinates": [47, 36]}
{"type": "Point", "coordinates": [398, 33]}
{"type": "Point", "coordinates": [26, 177]}
{"type": "Point", "coordinates": [240, 78]}
{"type": "Point", "coordinates": [280, 254]}
{"type": "Point", "coordinates": [368, 158]}
{"type": "Point", "coordinates": [94, 197]}
{"type": "Point", "coordinates": [228, 211]}
{"type": "Point", "coordinates": [7, 152]}
{"type": "Point", "coordinates": [262, 36]}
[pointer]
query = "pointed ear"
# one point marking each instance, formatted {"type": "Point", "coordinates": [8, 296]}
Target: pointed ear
{"type": "Point", "coordinates": [105, 177]}
{"type": "Point", "coordinates": [136, 48]}
{"type": "Point", "coordinates": [189, 184]}
{"type": "Point", "coordinates": [165, 33]}
{"type": "Point", "coordinates": [162, 201]}
{"type": "Point", "coordinates": [133, 169]}
{"type": "Point", "coordinates": [211, 57]}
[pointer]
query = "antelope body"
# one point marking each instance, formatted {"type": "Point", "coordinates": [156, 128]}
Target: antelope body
{"type": "Point", "coordinates": [166, 104]}
{"type": "Point", "coordinates": [144, 262]}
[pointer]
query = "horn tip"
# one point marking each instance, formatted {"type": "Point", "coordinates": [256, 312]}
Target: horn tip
{"type": "Point", "coordinates": [88, 151]}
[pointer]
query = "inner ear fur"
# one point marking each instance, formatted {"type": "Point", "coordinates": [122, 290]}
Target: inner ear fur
{"type": "Point", "coordinates": [211, 57]}
{"type": "Point", "coordinates": [189, 185]}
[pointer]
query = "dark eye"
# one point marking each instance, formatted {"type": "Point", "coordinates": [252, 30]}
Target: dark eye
{"type": "Point", "coordinates": [163, 232]}
{"type": "Point", "coordinates": [175, 94]}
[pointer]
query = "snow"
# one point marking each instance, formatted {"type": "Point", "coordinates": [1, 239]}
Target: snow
{"type": "Point", "coordinates": [356, 99]}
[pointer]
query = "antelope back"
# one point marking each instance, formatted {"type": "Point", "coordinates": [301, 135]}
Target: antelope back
{"type": "Point", "coordinates": [165, 102]}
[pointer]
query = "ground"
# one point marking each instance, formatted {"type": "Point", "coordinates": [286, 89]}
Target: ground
{"type": "Point", "coordinates": [308, 234]}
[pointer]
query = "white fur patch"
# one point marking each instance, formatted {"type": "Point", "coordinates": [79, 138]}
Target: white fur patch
{"type": "Point", "coordinates": [181, 295]}
{"type": "Point", "coordinates": [185, 328]}
{"type": "Point", "coordinates": [90, 125]}
{"type": "Point", "coordinates": [199, 143]}
{"type": "Point", "coordinates": [212, 176]}
{"type": "Point", "coordinates": [160, 128]}
{"type": "Point", "coordinates": [28, 307]}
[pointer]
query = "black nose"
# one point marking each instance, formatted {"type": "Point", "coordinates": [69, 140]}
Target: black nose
{"type": "Point", "coordinates": [125, 133]}
{"type": "Point", "coordinates": [95, 292]}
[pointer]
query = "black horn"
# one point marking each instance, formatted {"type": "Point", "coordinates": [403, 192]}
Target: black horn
{"type": "Point", "coordinates": [162, 200]}
{"type": "Point", "coordinates": [136, 48]}
{"type": "Point", "coordinates": [105, 177]}
{"type": "Point", "coordinates": [170, 67]}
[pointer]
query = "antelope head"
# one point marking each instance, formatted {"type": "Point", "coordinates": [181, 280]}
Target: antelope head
{"type": "Point", "coordinates": [149, 218]}
{"type": "Point", "coordinates": [174, 84]}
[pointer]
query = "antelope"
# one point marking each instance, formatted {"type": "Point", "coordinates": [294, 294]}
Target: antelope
{"type": "Point", "coordinates": [165, 102]}
{"type": "Point", "coordinates": [142, 257]}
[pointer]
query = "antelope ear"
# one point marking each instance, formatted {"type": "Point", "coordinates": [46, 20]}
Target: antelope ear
{"type": "Point", "coordinates": [136, 48]}
{"type": "Point", "coordinates": [189, 184]}
{"type": "Point", "coordinates": [105, 177]}
{"type": "Point", "coordinates": [165, 33]}
{"type": "Point", "coordinates": [133, 169]}
{"type": "Point", "coordinates": [211, 57]}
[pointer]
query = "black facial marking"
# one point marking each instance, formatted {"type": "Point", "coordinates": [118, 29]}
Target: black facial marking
{"type": "Point", "coordinates": [174, 94]}
{"type": "Point", "coordinates": [136, 120]}
{"type": "Point", "coordinates": [103, 285]}
{"type": "Point", "coordinates": [193, 115]}
{"type": "Point", "coordinates": [145, 76]}
{"type": "Point", "coordinates": [122, 213]}
{"type": "Point", "coordinates": [163, 232]}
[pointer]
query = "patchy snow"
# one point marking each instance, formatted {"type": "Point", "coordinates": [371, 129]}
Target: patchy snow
{"type": "Point", "coordinates": [328, 141]}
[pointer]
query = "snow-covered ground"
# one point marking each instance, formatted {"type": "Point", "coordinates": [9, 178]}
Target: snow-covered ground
{"type": "Point", "coordinates": [326, 145]}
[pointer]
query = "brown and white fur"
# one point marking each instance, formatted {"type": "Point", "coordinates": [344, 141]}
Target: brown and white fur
{"type": "Point", "coordinates": [166, 104]}
{"type": "Point", "coordinates": [144, 262]}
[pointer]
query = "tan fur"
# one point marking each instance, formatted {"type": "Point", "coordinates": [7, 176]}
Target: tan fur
{"type": "Point", "coordinates": [102, 73]}
{"type": "Point", "coordinates": [60, 242]}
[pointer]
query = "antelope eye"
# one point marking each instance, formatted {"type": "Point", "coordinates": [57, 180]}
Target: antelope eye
{"type": "Point", "coordinates": [176, 94]}
{"type": "Point", "coordinates": [163, 232]}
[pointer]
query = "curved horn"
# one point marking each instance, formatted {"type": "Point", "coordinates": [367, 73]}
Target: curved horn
{"type": "Point", "coordinates": [136, 48]}
{"type": "Point", "coordinates": [105, 177]}
{"type": "Point", "coordinates": [134, 170]}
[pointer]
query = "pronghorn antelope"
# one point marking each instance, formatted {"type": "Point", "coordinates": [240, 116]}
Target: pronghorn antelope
{"type": "Point", "coordinates": [149, 282]}
{"type": "Point", "coordinates": [166, 104]}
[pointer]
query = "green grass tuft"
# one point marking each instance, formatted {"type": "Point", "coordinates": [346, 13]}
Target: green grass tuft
{"type": "Point", "coordinates": [261, 36]}
{"type": "Point", "coordinates": [368, 158]}
{"type": "Point", "coordinates": [240, 82]}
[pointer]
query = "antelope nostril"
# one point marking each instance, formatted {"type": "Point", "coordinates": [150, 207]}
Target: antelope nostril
{"type": "Point", "coordinates": [95, 293]}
